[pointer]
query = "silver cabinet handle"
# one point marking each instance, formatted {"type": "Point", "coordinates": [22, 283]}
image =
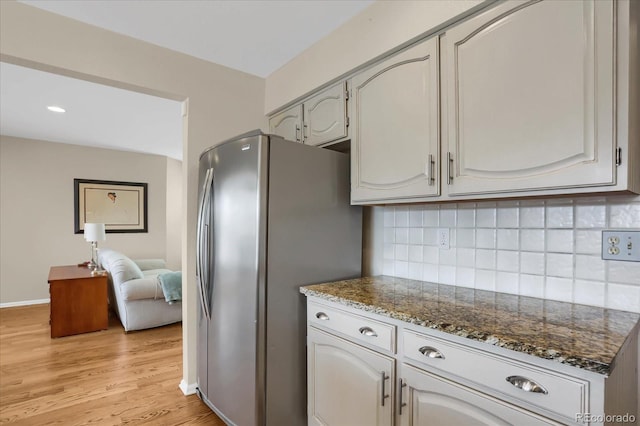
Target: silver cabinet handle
{"type": "Point", "coordinates": [304, 133]}
{"type": "Point", "coordinates": [297, 133]}
{"type": "Point", "coordinates": [431, 352]}
{"type": "Point", "coordinates": [367, 331]}
{"type": "Point", "coordinates": [384, 395]}
{"type": "Point", "coordinates": [401, 404]}
{"type": "Point", "coordinates": [322, 316]}
{"type": "Point", "coordinates": [430, 170]}
{"type": "Point", "coordinates": [449, 168]}
{"type": "Point", "coordinates": [526, 385]}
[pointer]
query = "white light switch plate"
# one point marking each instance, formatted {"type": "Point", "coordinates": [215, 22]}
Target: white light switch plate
{"type": "Point", "coordinates": [621, 245]}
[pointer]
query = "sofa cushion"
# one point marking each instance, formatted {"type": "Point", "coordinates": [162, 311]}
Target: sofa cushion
{"type": "Point", "coordinates": [141, 288]}
{"type": "Point", "coordinates": [119, 266]}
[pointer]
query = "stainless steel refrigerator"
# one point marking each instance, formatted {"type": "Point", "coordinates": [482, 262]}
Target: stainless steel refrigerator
{"type": "Point", "coordinates": [273, 215]}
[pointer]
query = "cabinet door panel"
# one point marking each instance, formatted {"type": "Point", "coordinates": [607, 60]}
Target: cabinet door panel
{"type": "Point", "coordinates": [529, 97]}
{"type": "Point", "coordinates": [434, 401]}
{"type": "Point", "coordinates": [325, 116]}
{"type": "Point", "coordinates": [396, 127]}
{"type": "Point", "coordinates": [345, 383]}
{"type": "Point", "coordinates": [288, 124]}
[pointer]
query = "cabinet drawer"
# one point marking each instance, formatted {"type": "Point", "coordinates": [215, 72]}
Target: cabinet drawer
{"type": "Point", "coordinates": [359, 328]}
{"type": "Point", "coordinates": [565, 395]}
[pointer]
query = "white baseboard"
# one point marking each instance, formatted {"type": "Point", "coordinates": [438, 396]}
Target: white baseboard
{"type": "Point", "coordinates": [188, 389]}
{"type": "Point", "coordinates": [24, 303]}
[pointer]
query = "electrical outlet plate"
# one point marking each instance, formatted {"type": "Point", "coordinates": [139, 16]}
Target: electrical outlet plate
{"type": "Point", "coordinates": [443, 238]}
{"type": "Point", "coordinates": [621, 245]}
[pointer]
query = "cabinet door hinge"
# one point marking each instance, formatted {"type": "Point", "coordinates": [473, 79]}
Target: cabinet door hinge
{"type": "Point", "coordinates": [346, 95]}
{"type": "Point", "coordinates": [347, 121]}
{"type": "Point", "coordinates": [618, 156]}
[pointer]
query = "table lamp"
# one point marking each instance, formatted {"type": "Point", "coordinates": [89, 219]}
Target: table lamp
{"type": "Point", "coordinates": [94, 232]}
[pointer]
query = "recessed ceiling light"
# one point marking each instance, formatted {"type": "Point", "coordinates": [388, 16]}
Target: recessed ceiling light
{"type": "Point", "coordinates": [55, 108]}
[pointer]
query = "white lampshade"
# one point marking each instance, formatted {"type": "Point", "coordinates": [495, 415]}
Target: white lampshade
{"type": "Point", "coordinates": [94, 232]}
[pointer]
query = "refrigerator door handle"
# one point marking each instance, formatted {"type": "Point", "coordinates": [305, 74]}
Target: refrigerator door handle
{"type": "Point", "coordinates": [202, 265]}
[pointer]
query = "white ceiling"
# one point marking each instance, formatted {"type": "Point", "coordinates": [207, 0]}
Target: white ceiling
{"type": "Point", "coordinates": [254, 36]}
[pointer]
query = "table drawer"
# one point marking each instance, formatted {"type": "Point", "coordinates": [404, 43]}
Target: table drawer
{"type": "Point", "coordinates": [556, 392]}
{"type": "Point", "coordinates": [359, 328]}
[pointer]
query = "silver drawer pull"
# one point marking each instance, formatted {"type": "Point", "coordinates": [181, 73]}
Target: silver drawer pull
{"type": "Point", "coordinates": [367, 331]}
{"type": "Point", "coordinates": [322, 316]}
{"type": "Point", "coordinates": [526, 385]}
{"type": "Point", "coordinates": [431, 352]}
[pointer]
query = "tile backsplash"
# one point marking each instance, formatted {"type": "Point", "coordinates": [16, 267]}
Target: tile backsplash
{"type": "Point", "coordinates": [541, 248]}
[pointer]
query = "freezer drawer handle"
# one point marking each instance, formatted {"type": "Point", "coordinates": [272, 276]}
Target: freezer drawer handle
{"type": "Point", "coordinates": [367, 331]}
{"type": "Point", "coordinates": [526, 385]}
{"type": "Point", "coordinates": [322, 316]}
{"type": "Point", "coordinates": [431, 352]}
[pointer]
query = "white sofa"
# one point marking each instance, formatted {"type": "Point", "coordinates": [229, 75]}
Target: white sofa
{"type": "Point", "coordinates": [135, 291]}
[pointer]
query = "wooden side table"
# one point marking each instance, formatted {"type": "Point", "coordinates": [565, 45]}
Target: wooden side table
{"type": "Point", "coordinates": [78, 301]}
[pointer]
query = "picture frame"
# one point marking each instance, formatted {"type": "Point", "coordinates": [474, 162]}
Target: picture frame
{"type": "Point", "coordinates": [121, 206]}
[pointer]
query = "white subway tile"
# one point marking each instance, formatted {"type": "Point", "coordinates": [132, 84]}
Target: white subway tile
{"type": "Point", "coordinates": [465, 257]}
{"type": "Point", "coordinates": [532, 217]}
{"type": "Point", "coordinates": [486, 259]}
{"type": "Point", "coordinates": [485, 280]}
{"type": "Point", "coordinates": [625, 215]}
{"type": "Point", "coordinates": [402, 252]}
{"type": "Point", "coordinates": [415, 254]}
{"type": "Point", "coordinates": [466, 218]}
{"type": "Point", "coordinates": [430, 217]}
{"type": "Point", "coordinates": [486, 238]}
{"type": "Point", "coordinates": [415, 236]}
{"type": "Point", "coordinates": [388, 252]}
{"type": "Point", "coordinates": [389, 217]}
{"type": "Point", "coordinates": [401, 269]}
{"type": "Point", "coordinates": [532, 263]}
{"type": "Point", "coordinates": [465, 277]}
{"type": "Point", "coordinates": [430, 272]}
{"type": "Point", "coordinates": [560, 216]}
{"type": "Point", "coordinates": [508, 261]}
{"type": "Point", "coordinates": [388, 267]}
{"type": "Point", "coordinates": [507, 282]}
{"type": "Point", "coordinates": [447, 274]}
{"type": "Point", "coordinates": [532, 240]}
{"type": "Point", "coordinates": [402, 235]}
{"type": "Point", "coordinates": [415, 216]}
{"type": "Point", "coordinates": [589, 292]}
{"type": "Point", "coordinates": [560, 240]}
{"type": "Point", "coordinates": [507, 217]}
{"type": "Point", "coordinates": [415, 271]}
{"type": "Point", "coordinates": [531, 285]}
{"type": "Point", "coordinates": [591, 216]}
{"type": "Point", "coordinates": [465, 237]}
{"type": "Point", "coordinates": [560, 265]}
{"type": "Point", "coordinates": [430, 236]}
{"type": "Point", "coordinates": [448, 217]}
{"type": "Point", "coordinates": [448, 257]}
{"type": "Point", "coordinates": [624, 272]}
{"type": "Point", "coordinates": [623, 297]}
{"type": "Point", "coordinates": [590, 267]}
{"type": "Point", "coordinates": [588, 242]}
{"type": "Point", "coordinates": [430, 254]}
{"type": "Point", "coordinates": [389, 235]}
{"type": "Point", "coordinates": [508, 239]}
{"type": "Point", "coordinates": [402, 217]}
{"type": "Point", "coordinates": [559, 289]}
{"type": "Point", "coordinates": [486, 217]}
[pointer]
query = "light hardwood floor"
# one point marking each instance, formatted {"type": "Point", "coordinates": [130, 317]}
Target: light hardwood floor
{"type": "Point", "coordinates": [101, 378]}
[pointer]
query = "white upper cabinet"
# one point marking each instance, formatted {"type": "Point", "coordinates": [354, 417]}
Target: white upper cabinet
{"type": "Point", "coordinates": [288, 124]}
{"type": "Point", "coordinates": [325, 116]}
{"type": "Point", "coordinates": [320, 120]}
{"type": "Point", "coordinates": [528, 98]}
{"type": "Point", "coordinates": [394, 145]}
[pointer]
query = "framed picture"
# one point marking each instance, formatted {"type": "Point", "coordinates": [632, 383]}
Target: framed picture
{"type": "Point", "coordinates": [121, 206]}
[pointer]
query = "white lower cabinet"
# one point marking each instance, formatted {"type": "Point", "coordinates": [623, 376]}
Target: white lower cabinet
{"type": "Point", "coordinates": [426, 399]}
{"type": "Point", "coordinates": [348, 385]}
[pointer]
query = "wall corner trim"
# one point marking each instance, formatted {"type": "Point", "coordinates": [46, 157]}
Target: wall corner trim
{"type": "Point", "coordinates": [187, 388]}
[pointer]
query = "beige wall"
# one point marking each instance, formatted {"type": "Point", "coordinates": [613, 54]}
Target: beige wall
{"type": "Point", "coordinates": [174, 214]}
{"type": "Point", "coordinates": [221, 103]}
{"type": "Point", "coordinates": [36, 209]}
{"type": "Point", "coordinates": [381, 27]}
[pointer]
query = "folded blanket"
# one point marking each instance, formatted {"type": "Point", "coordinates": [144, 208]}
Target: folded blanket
{"type": "Point", "coordinates": [171, 284]}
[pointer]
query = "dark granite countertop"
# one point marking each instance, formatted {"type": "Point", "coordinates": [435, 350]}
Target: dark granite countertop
{"type": "Point", "coordinates": [583, 336]}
